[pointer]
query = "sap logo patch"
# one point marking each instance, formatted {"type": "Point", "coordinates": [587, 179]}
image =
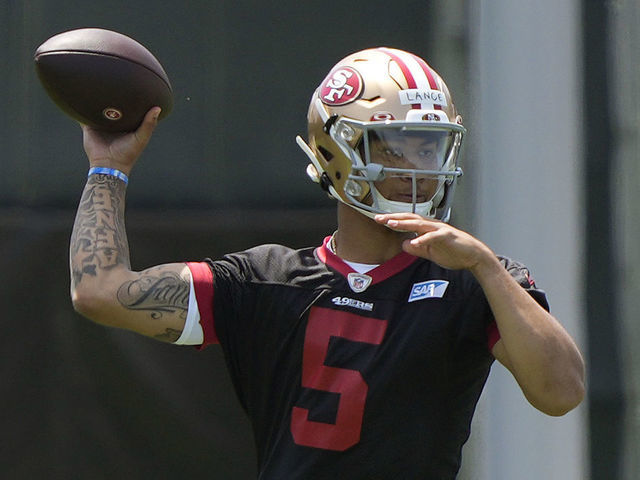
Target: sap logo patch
{"type": "Point", "coordinates": [428, 289]}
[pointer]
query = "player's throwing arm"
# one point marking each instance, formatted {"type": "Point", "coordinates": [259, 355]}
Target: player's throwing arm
{"type": "Point", "coordinates": [153, 302]}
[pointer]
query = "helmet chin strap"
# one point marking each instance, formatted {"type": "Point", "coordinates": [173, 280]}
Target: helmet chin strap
{"type": "Point", "coordinates": [314, 161]}
{"type": "Point", "coordinates": [424, 209]}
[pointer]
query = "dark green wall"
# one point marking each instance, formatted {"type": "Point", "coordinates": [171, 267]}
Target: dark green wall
{"type": "Point", "coordinates": [242, 75]}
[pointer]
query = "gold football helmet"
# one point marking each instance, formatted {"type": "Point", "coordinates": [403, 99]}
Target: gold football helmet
{"type": "Point", "coordinates": [384, 135]}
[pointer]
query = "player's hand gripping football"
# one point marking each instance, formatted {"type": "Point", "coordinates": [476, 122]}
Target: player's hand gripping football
{"type": "Point", "coordinates": [119, 150]}
{"type": "Point", "coordinates": [438, 241]}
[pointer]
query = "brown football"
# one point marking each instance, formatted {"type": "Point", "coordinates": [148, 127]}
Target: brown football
{"type": "Point", "coordinates": [102, 78]}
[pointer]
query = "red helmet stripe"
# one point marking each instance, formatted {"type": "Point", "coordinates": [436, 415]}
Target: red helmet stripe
{"type": "Point", "coordinates": [408, 75]}
{"type": "Point", "coordinates": [432, 81]}
{"type": "Point", "coordinates": [427, 71]}
{"type": "Point", "coordinates": [411, 83]}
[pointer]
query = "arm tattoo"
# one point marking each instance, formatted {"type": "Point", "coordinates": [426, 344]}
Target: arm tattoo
{"type": "Point", "coordinates": [99, 243]}
{"type": "Point", "coordinates": [157, 292]}
{"type": "Point", "coordinates": [170, 335]}
{"type": "Point", "coordinates": [99, 240]}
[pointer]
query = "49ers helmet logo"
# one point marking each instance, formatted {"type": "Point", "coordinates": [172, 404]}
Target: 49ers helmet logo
{"type": "Point", "coordinates": [343, 85]}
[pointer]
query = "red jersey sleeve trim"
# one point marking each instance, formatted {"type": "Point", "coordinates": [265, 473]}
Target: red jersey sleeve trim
{"type": "Point", "coordinates": [203, 286]}
{"type": "Point", "coordinates": [493, 335]}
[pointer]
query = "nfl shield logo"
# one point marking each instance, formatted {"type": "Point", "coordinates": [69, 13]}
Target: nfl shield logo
{"type": "Point", "coordinates": [359, 281]}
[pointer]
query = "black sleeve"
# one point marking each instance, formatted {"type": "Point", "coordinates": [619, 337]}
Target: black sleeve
{"type": "Point", "coordinates": [522, 275]}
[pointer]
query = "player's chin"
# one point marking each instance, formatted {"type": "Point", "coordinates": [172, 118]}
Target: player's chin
{"type": "Point", "coordinates": [407, 198]}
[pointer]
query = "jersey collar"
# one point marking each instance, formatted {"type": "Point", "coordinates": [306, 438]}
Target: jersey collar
{"type": "Point", "coordinates": [378, 274]}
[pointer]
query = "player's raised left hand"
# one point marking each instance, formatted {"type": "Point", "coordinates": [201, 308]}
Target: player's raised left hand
{"type": "Point", "coordinates": [438, 241]}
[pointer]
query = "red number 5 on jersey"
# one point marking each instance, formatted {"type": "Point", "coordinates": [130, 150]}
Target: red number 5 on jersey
{"type": "Point", "coordinates": [323, 324]}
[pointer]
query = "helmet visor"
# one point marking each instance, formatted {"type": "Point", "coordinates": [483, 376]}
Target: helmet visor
{"type": "Point", "coordinates": [408, 166]}
{"type": "Point", "coordinates": [402, 148]}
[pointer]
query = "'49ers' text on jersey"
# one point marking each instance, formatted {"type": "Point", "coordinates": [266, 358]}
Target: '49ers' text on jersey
{"type": "Point", "coordinates": [348, 375]}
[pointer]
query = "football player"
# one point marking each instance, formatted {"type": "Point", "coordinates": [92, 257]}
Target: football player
{"type": "Point", "coordinates": [364, 357]}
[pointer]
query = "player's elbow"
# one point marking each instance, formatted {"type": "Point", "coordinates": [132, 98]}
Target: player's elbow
{"type": "Point", "coordinates": [561, 407]}
{"type": "Point", "coordinates": [81, 301]}
{"type": "Point", "coordinates": [562, 399]}
{"type": "Point", "coordinates": [91, 303]}
{"type": "Point", "coordinates": [85, 302]}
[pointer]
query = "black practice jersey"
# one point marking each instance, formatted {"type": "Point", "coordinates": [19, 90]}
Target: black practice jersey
{"type": "Point", "coordinates": [346, 375]}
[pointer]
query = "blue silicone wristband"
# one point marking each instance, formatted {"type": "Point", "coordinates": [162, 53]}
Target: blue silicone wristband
{"type": "Point", "coordinates": [109, 171]}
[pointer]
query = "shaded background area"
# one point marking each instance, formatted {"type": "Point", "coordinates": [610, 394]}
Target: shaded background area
{"type": "Point", "coordinates": [242, 74]}
{"type": "Point", "coordinates": [223, 173]}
